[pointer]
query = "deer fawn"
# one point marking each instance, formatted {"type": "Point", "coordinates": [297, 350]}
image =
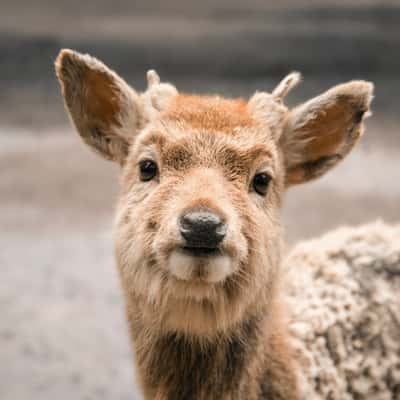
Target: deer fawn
{"type": "Point", "coordinates": [197, 232]}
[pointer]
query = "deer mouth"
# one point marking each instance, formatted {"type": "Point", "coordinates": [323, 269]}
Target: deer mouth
{"type": "Point", "coordinates": [205, 264]}
{"type": "Point", "coordinates": [196, 251]}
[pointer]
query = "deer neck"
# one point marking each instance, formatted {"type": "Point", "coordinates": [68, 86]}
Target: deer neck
{"type": "Point", "coordinates": [185, 367]}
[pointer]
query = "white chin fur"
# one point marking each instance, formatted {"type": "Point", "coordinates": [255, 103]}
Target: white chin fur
{"type": "Point", "coordinates": [216, 268]}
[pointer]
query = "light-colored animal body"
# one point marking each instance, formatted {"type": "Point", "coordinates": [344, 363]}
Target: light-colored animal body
{"type": "Point", "coordinates": [197, 233]}
{"type": "Point", "coordinates": [343, 291]}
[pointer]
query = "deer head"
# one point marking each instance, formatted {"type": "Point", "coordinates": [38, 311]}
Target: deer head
{"type": "Point", "coordinates": [197, 232]}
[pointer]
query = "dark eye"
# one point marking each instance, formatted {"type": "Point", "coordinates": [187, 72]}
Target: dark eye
{"type": "Point", "coordinates": [261, 182]}
{"type": "Point", "coordinates": [148, 170]}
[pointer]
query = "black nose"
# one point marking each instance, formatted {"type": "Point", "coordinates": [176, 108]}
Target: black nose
{"type": "Point", "coordinates": [202, 229]}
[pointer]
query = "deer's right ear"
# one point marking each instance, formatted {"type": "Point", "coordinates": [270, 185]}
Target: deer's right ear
{"type": "Point", "coordinates": [105, 110]}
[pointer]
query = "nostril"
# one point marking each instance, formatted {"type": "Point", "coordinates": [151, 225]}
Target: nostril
{"type": "Point", "coordinates": [221, 230]}
{"type": "Point", "coordinates": [202, 229]}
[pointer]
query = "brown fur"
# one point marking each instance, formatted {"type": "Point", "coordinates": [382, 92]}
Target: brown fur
{"type": "Point", "coordinates": [210, 113]}
{"type": "Point", "coordinates": [208, 327]}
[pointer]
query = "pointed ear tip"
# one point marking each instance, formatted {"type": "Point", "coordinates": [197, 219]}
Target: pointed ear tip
{"type": "Point", "coordinates": [69, 55]}
{"type": "Point", "coordinates": [70, 63]}
{"type": "Point", "coordinates": [66, 52]}
{"type": "Point", "coordinates": [365, 91]}
{"type": "Point", "coordinates": [365, 87]}
{"type": "Point", "coordinates": [358, 91]}
{"type": "Point", "coordinates": [63, 55]}
{"type": "Point", "coordinates": [65, 59]}
{"type": "Point", "coordinates": [361, 88]}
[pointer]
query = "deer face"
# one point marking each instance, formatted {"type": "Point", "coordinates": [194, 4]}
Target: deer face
{"type": "Point", "coordinates": [203, 179]}
{"type": "Point", "coordinates": [202, 191]}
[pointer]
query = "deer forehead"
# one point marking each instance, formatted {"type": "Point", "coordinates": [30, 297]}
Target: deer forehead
{"type": "Point", "coordinates": [202, 130]}
{"type": "Point", "coordinates": [210, 113]}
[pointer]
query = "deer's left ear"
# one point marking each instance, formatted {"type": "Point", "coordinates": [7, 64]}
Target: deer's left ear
{"type": "Point", "coordinates": [321, 132]}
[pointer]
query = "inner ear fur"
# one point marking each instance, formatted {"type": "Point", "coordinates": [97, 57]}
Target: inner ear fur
{"type": "Point", "coordinates": [105, 110]}
{"type": "Point", "coordinates": [322, 131]}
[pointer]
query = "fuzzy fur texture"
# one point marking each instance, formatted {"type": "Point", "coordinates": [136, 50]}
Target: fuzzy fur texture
{"type": "Point", "coordinates": [344, 294]}
{"type": "Point", "coordinates": [207, 327]}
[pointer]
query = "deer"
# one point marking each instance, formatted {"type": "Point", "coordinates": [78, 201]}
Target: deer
{"type": "Point", "coordinates": [198, 235]}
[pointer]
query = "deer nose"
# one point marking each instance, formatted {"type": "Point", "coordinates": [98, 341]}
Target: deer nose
{"type": "Point", "coordinates": [202, 229]}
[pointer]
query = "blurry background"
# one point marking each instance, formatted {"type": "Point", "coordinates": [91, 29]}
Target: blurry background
{"type": "Point", "coordinates": [62, 327]}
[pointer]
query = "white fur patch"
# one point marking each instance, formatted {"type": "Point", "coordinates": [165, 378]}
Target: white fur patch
{"type": "Point", "coordinates": [180, 265]}
{"type": "Point", "coordinates": [219, 268]}
{"type": "Point", "coordinates": [183, 267]}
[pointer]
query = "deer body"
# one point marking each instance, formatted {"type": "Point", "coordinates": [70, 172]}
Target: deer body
{"type": "Point", "coordinates": [197, 232]}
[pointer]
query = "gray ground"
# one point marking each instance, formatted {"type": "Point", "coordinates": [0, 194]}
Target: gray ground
{"type": "Point", "coordinates": [62, 331]}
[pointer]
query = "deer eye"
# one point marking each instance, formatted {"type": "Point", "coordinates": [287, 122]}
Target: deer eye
{"type": "Point", "coordinates": [148, 170]}
{"type": "Point", "coordinates": [260, 183]}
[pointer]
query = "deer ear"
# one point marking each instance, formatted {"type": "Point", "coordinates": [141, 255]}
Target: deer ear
{"type": "Point", "coordinates": [105, 110]}
{"type": "Point", "coordinates": [321, 132]}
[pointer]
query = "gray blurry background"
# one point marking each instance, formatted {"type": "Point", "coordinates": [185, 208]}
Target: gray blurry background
{"type": "Point", "coordinates": [62, 330]}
